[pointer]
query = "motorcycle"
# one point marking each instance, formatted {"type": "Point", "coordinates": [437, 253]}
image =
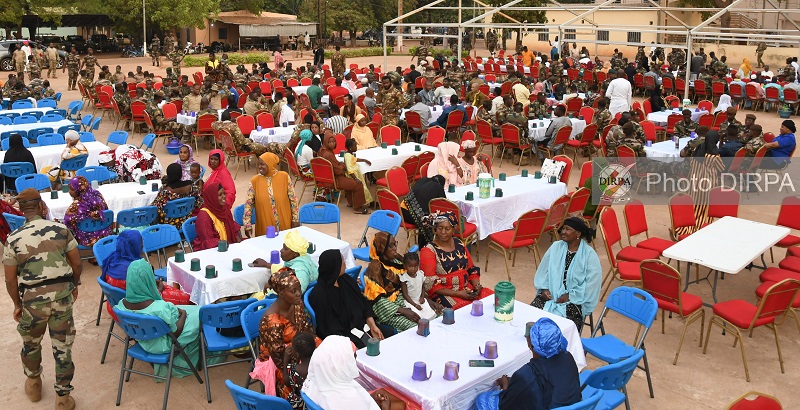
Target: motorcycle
{"type": "Point", "coordinates": [131, 51]}
{"type": "Point", "coordinates": [189, 49]}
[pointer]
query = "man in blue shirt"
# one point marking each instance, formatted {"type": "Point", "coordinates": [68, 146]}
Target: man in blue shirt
{"type": "Point", "coordinates": [780, 149]}
{"type": "Point", "coordinates": [442, 120]}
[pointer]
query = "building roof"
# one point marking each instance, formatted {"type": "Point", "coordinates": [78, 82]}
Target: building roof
{"type": "Point", "coordinates": [242, 17]}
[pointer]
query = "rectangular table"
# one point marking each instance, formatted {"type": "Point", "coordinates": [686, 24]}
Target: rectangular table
{"type": "Point", "coordinates": [280, 135]}
{"type": "Point", "coordinates": [665, 151]}
{"type": "Point", "coordinates": [119, 197]}
{"type": "Point", "coordinates": [538, 133]}
{"type": "Point", "coordinates": [51, 154]}
{"type": "Point", "coordinates": [520, 195]}
{"type": "Point", "coordinates": [727, 245]}
{"type": "Point", "coordinates": [660, 117]}
{"type": "Point", "coordinates": [27, 127]}
{"type": "Point", "coordinates": [321, 241]}
{"type": "Point", "coordinates": [459, 342]}
{"type": "Point", "coordinates": [382, 158]}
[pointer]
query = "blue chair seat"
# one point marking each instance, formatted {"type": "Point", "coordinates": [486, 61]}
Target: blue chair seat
{"type": "Point", "coordinates": [161, 274]}
{"type": "Point", "coordinates": [361, 254]}
{"type": "Point", "coordinates": [608, 348]}
{"type": "Point", "coordinates": [611, 399]}
{"type": "Point", "coordinates": [217, 343]}
{"type": "Point", "coordinates": [138, 353]}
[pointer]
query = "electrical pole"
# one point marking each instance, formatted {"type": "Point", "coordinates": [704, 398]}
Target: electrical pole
{"type": "Point", "coordinates": [399, 28]}
{"type": "Point", "coordinates": [319, 20]}
{"type": "Point", "coordinates": [144, 29]}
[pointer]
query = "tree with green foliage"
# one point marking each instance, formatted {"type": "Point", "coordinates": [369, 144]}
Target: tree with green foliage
{"type": "Point", "coordinates": [161, 14]}
{"type": "Point", "coordinates": [11, 13]}
{"type": "Point", "coordinates": [724, 20]}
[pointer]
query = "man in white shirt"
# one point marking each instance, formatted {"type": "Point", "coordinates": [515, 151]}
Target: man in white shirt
{"type": "Point", "coordinates": [336, 122]}
{"type": "Point", "coordinates": [619, 93]}
{"type": "Point", "coordinates": [796, 67]}
{"type": "Point", "coordinates": [444, 91]}
{"type": "Point", "coordinates": [497, 101]}
{"type": "Point", "coordinates": [522, 94]}
{"type": "Point", "coordinates": [767, 74]}
{"type": "Point", "coordinates": [287, 111]}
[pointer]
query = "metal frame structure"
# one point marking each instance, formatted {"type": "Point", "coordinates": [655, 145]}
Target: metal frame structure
{"type": "Point", "coordinates": [581, 21]}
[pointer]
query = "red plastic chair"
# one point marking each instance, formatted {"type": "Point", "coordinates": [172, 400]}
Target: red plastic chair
{"type": "Point", "coordinates": [790, 97]}
{"type": "Point", "coordinates": [717, 89]}
{"type": "Point", "coordinates": [435, 136]}
{"type": "Point", "coordinates": [305, 82]}
{"type": "Point", "coordinates": [266, 120]}
{"type": "Point", "coordinates": [673, 119]}
{"type": "Point", "coordinates": [246, 124]}
{"type": "Point", "coordinates": [204, 127]}
{"type": "Point", "coordinates": [649, 130]}
{"type": "Point", "coordinates": [587, 139]}
{"type": "Point", "coordinates": [706, 120]}
{"type": "Point", "coordinates": [723, 202]}
{"type": "Point", "coordinates": [561, 138]}
{"type": "Point", "coordinates": [586, 173]}
{"type": "Point", "coordinates": [567, 169]}
{"type": "Point", "coordinates": [324, 176]}
{"type": "Point", "coordinates": [396, 180]}
{"type": "Point", "coordinates": [701, 90]}
{"type": "Point", "coordinates": [612, 235]}
{"type": "Point", "coordinates": [706, 105]}
{"type": "Point", "coordinates": [788, 216]}
{"type": "Point", "coordinates": [469, 233]}
{"type": "Point", "coordinates": [512, 140]}
{"type": "Point", "coordinates": [759, 401]}
{"type": "Point", "coordinates": [719, 118]}
{"type": "Point", "coordinates": [663, 282]}
{"type": "Point", "coordinates": [587, 113]}
{"type": "Point", "coordinates": [266, 88]}
{"type": "Point", "coordinates": [390, 134]}
{"type": "Point", "coordinates": [486, 136]}
{"type": "Point", "coordinates": [227, 146]}
{"type": "Point", "coordinates": [578, 201]}
{"type": "Point", "coordinates": [772, 96]}
{"type": "Point", "coordinates": [288, 155]}
{"type": "Point", "coordinates": [753, 96]}
{"type": "Point", "coordinates": [668, 85]}
{"type": "Point", "coordinates": [625, 271]}
{"type": "Point", "coordinates": [389, 202]}
{"type": "Point", "coordinates": [681, 214]}
{"type": "Point", "coordinates": [574, 105]}
{"type": "Point", "coordinates": [736, 92]}
{"type": "Point", "coordinates": [525, 234]}
{"type": "Point", "coordinates": [556, 214]}
{"type": "Point", "coordinates": [636, 223]}
{"type": "Point", "coordinates": [454, 121]}
{"type": "Point", "coordinates": [739, 315]}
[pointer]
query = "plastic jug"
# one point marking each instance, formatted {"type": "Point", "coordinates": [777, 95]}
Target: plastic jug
{"type": "Point", "coordinates": [485, 185]}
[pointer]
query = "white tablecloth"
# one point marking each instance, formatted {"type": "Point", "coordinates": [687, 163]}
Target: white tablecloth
{"type": "Point", "coordinates": [186, 119]}
{"type": "Point", "coordinates": [541, 128]}
{"type": "Point", "coordinates": [119, 197]}
{"type": "Point", "coordinates": [660, 117]}
{"type": "Point", "coordinates": [27, 110]}
{"type": "Point", "coordinates": [520, 195]}
{"type": "Point", "coordinates": [276, 134]}
{"type": "Point", "coordinates": [51, 154]}
{"type": "Point", "coordinates": [459, 342]}
{"type": "Point", "coordinates": [33, 100]}
{"type": "Point", "coordinates": [563, 101]}
{"type": "Point", "coordinates": [27, 127]}
{"type": "Point", "coordinates": [382, 159]}
{"type": "Point", "coordinates": [322, 242]}
{"type": "Point", "coordinates": [503, 68]}
{"type": "Point", "coordinates": [665, 150]}
{"type": "Point", "coordinates": [300, 89]}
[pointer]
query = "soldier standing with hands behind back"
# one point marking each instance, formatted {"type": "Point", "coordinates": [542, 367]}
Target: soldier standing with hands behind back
{"type": "Point", "coordinates": [42, 272]}
{"type": "Point", "coordinates": [73, 63]}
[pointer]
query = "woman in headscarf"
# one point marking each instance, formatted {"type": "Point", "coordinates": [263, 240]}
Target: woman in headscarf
{"type": "Point", "coordinates": [363, 134]}
{"type": "Point", "coordinates": [221, 175]}
{"type": "Point", "coordinates": [383, 287]}
{"type": "Point", "coordinates": [723, 104]}
{"type": "Point", "coordinates": [294, 254]}
{"type": "Point", "coordinates": [185, 160]}
{"type": "Point", "coordinates": [142, 296]}
{"type": "Point", "coordinates": [215, 222]}
{"type": "Point", "coordinates": [705, 165]}
{"type": "Point", "coordinates": [175, 188]}
{"type": "Point", "coordinates": [472, 164]}
{"type": "Point", "coordinates": [303, 154]}
{"type": "Point", "coordinates": [451, 278]}
{"type": "Point", "coordinates": [338, 303]}
{"type": "Point", "coordinates": [271, 196]}
{"type": "Point", "coordinates": [132, 163]}
{"type": "Point", "coordinates": [538, 88]}
{"type": "Point", "coordinates": [87, 203]}
{"type": "Point", "coordinates": [568, 279]}
{"type": "Point", "coordinates": [549, 380]}
{"type": "Point", "coordinates": [415, 206]}
{"type": "Point", "coordinates": [331, 381]}
{"type": "Point", "coordinates": [17, 153]}
{"type": "Point", "coordinates": [73, 149]}
{"type": "Point", "coordinates": [446, 164]}
{"type": "Point", "coordinates": [282, 320]}
{"type": "Point", "coordinates": [128, 249]}
{"type": "Point", "coordinates": [353, 188]}
{"type": "Point", "coordinates": [745, 69]}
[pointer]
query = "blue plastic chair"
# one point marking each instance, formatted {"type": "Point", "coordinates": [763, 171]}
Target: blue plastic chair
{"type": "Point", "coordinates": [386, 221]}
{"type": "Point", "coordinates": [118, 137]}
{"type": "Point", "coordinates": [178, 208]}
{"type": "Point", "coordinates": [189, 231]}
{"type": "Point", "coordinates": [21, 104]}
{"type": "Point", "coordinates": [59, 111]}
{"type": "Point", "coordinates": [15, 169]}
{"type": "Point", "coordinates": [249, 400]}
{"type": "Point", "coordinates": [112, 295]}
{"type": "Point", "coordinates": [37, 114]}
{"type": "Point", "coordinates": [97, 173]}
{"type": "Point", "coordinates": [94, 225]}
{"type": "Point", "coordinates": [238, 215]}
{"type": "Point", "coordinates": [36, 132]}
{"type": "Point", "coordinates": [225, 315]}
{"type": "Point", "coordinates": [86, 122]}
{"type": "Point", "coordinates": [158, 238]}
{"type": "Point", "coordinates": [354, 272]}
{"type": "Point", "coordinates": [86, 136]}
{"type": "Point", "coordinates": [74, 108]}
{"type": "Point", "coordinates": [101, 249]}
{"type": "Point", "coordinates": [25, 119]}
{"type": "Point", "coordinates": [74, 127]}
{"type": "Point", "coordinates": [46, 103]}
{"type": "Point", "coordinates": [4, 144]}
{"type": "Point", "coordinates": [589, 403]}
{"type": "Point", "coordinates": [310, 310]}
{"type": "Point", "coordinates": [636, 305]}
{"type": "Point", "coordinates": [39, 182]}
{"type": "Point", "coordinates": [319, 213]}
{"type": "Point", "coordinates": [13, 221]}
{"type": "Point", "coordinates": [57, 97]}
{"type": "Point", "coordinates": [251, 325]}
{"type": "Point", "coordinates": [142, 327]}
{"type": "Point", "coordinates": [137, 217]}
{"type": "Point", "coordinates": [50, 138]}
{"type": "Point", "coordinates": [610, 379]}
{"type": "Point", "coordinates": [49, 117]}
{"type": "Point", "coordinates": [6, 120]}
{"type": "Point", "coordinates": [96, 124]}
{"type": "Point", "coordinates": [310, 405]}
{"type": "Point", "coordinates": [148, 142]}
{"type": "Point", "coordinates": [74, 164]}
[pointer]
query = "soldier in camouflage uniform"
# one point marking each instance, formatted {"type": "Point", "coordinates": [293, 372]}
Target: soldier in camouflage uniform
{"type": "Point", "coordinates": [392, 101]}
{"type": "Point", "coordinates": [755, 140]}
{"type": "Point", "coordinates": [123, 100]}
{"type": "Point", "coordinates": [176, 57]}
{"type": "Point", "coordinates": [240, 78]}
{"type": "Point", "coordinates": [89, 63]}
{"type": "Point", "coordinates": [788, 73]}
{"type": "Point", "coordinates": [491, 41]}
{"type": "Point", "coordinates": [86, 82]}
{"type": "Point", "coordinates": [685, 127]}
{"type": "Point", "coordinates": [337, 63]}
{"type": "Point", "coordinates": [36, 86]}
{"type": "Point", "coordinates": [19, 92]}
{"type": "Point", "coordinates": [43, 269]}
{"type": "Point", "coordinates": [34, 69]}
{"type": "Point", "coordinates": [624, 135]}
{"type": "Point", "coordinates": [166, 124]}
{"type": "Point", "coordinates": [149, 90]}
{"type": "Point", "coordinates": [720, 68]}
{"type": "Point", "coordinates": [762, 47]}
{"type": "Point", "coordinates": [730, 119]}
{"type": "Point", "coordinates": [421, 54]}
{"type": "Point", "coordinates": [658, 53]}
{"type": "Point", "coordinates": [47, 90]}
{"type": "Point", "coordinates": [676, 59]}
{"type": "Point", "coordinates": [538, 108]}
{"type": "Point", "coordinates": [184, 86]}
{"type": "Point", "coordinates": [580, 84]}
{"type": "Point", "coordinates": [169, 44]}
{"type": "Point", "coordinates": [155, 51]}
{"type": "Point", "coordinates": [242, 143]}
{"type": "Point", "coordinates": [640, 54]}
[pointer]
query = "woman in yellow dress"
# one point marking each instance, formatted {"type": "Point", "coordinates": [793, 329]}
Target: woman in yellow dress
{"type": "Point", "coordinates": [271, 195]}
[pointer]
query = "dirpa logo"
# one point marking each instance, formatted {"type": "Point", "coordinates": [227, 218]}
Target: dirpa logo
{"type": "Point", "coordinates": [615, 180]}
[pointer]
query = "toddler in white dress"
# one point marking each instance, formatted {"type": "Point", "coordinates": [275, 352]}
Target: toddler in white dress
{"type": "Point", "coordinates": [412, 282]}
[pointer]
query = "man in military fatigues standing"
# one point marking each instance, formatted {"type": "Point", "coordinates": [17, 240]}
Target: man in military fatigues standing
{"type": "Point", "coordinates": [421, 54]}
{"type": "Point", "coordinates": [34, 70]}
{"type": "Point", "coordinates": [89, 63]}
{"type": "Point", "coordinates": [176, 57]}
{"type": "Point", "coordinates": [337, 63]}
{"type": "Point", "coordinates": [169, 43]}
{"type": "Point", "coordinates": [491, 41]}
{"type": "Point", "coordinates": [19, 63]}
{"type": "Point", "coordinates": [155, 50]}
{"type": "Point", "coordinates": [43, 269]}
{"type": "Point", "coordinates": [52, 60]}
{"type": "Point", "coordinates": [762, 47]}
{"type": "Point", "coordinates": [676, 59]}
{"type": "Point", "coordinates": [720, 68]}
{"type": "Point", "coordinates": [392, 101]}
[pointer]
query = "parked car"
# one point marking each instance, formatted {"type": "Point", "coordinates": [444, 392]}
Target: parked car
{"type": "Point", "coordinates": [101, 43]}
{"type": "Point", "coordinates": [46, 40]}
{"type": "Point", "coordinates": [75, 41]}
{"type": "Point", "coordinates": [7, 48]}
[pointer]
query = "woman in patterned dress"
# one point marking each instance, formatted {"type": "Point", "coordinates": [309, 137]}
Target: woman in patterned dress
{"type": "Point", "coordinates": [175, 188]}
{"type": "Point", "coordinates": [382, 286]}
{"type": "Point", "coordinates": [88, 203]}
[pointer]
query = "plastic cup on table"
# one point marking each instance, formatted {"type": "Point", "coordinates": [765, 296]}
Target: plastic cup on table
{"type": "Point", "coordinates": [236, 265]}
{"type": "Point", "coordinates": [180, 256]}
{"type": "Point", "coordinates": [259, 128]}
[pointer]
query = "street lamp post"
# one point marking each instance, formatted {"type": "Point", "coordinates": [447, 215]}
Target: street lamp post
{"type": "Point", "coordinates": [144, 29]}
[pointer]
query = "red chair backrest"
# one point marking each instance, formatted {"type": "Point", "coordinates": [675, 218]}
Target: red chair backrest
{"type": "Point", "coordinates": [224, 137]}
{"type": "Point", "coordinates": [411, 165]}
{"type": "Point", "coordinates": [397, 181]}
{"type": "Point", "coordinates": [510, 134]}
{"type": "Point", "coordinates": [735, 90]}
{"type": "Point", "coordinates": [137, 109]}
{"type": "Point", "coordinates": [719, 119]}
{"type": "Point", "coordinates": [435, 136]}
{"type": "Point", "coordinates": [589, 133]}
{"type": "Point", "coordinates": [340, 142]}
{"type": "Point", "coordinates": [425, 158]}
{"type": "Point", "coordinates": [635, 218]}
{"type": "Point", "coordinates": [789, 215]}
{"type": "Point", "coordinates": [706, 120]}
{"type": "Point", "coordinates": [772, 93]}
{"type": "Point", "coordinates": [390, 134]}
{"type": "Point", "coordinates": [266, 120]}
{"type": "Point", "coordinates": [574, 105]}
{"type": "Point", "coordinates": [454, 119]}
{"type": "Point", "coordinates": [700, 87]}
{"type": "Point", "coordinates": [586, 173]}
{"type": "Point", "coordinates": [246, 124]}
{"type": "Point", "coordinates": [323, 172]}
{"type": "Point", "coordinates": [292, 82]}
{"type": "Point", "coordinates": [610, 228]}
{"type": "Point", "coordinates": [789, 95]}
{"type": "Point", "coordinates": [649, 130]}
{"type": "Point", "coordinates": [289, 157]}
{"type": "Point", "coordinates": [266, 87]}
{"type": "Point", "coordinates": [662, 281]}
{"type": "Point", "coordinates": [375, 128]}
{"type": "Point", "coordinates": [567, 169]}
{"type": "Point", "coordinates": [760, 402]}
{"type": "Point", "coordinates": [578, 200]}
{"type": "Point", "coordinates": [777, 300]}
{"type": "Point", "coordinates": [638, 79]}
{"type": "Point", "coordinates": [413, 120]}
{"type": "Point", "coordinates": [444, 205]}
{"type": "Point", "coordinates": [377, 117]}
{"type": "Point", "coordinates": [587, 113]}
{"type": "Point", "coordinates": [484, 131]}
{"type": "Point", "coordinates": [557, 212]}
{"type": "Point", "coordinates": [667, 83]}
{"type": "Point", "coordinates": [170, 111]}
{"type": "Point", "coordinates": [705, 105]}
{"type": "Point", "coordinates": [750, 90]}
{"type": "Point", "coordinates": [673, 119]}
{"type": "Point", "coordinates": [717, 88]}
{"type": "Point", "coordinates": [681, 211]}
{"type": "Point", "coordinates": [723, 202]}
{"type": "Point", "coordinates": [530, 225]}
{"type": "Point", "coordinates": [389, 201]}
{"type": "Point", "coordinates": [204, 123]}
{"type": "Point", "coordinates": [562, 136]}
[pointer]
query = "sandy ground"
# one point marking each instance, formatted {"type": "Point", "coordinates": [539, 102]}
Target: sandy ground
{"type": "Point", "coordinates": [697, 382]}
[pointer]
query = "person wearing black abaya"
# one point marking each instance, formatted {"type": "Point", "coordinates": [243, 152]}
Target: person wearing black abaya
{"type": "Point", "coordinates": [17, 153]}
{"type": "Point", "coordinates": [416, 205]}
{"type": "Point", "coordinates": [340, 307]}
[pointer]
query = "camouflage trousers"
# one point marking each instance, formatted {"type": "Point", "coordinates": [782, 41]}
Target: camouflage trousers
{"type": "Point", "coordinates": [55, 316]}
{"type": "Point", "coordinates": [73, 78]}
{"type": "Point", "coordinates": [183, 132]}
{"type": "Point", "coordinates": [90, 74]}
{"type": "Point", "coordinates": [52, 69]}
{"type": "Point", "coordinates": [156, 57]}
{"type": "Point", "coordinates": [20, 70]}
{"type": "Point", "coordinates": [177, 71]}
{"type": "Point", "coordinates": [389, 119]}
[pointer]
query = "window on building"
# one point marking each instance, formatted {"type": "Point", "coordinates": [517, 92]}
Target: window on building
{"type": "Point", "coordinates": [223, 33]}
{"type": "Point", "coordinates": [602, 35]}
{"type": "Point", "coordinates": [635, 37]}
{"type": "Point", "coordinates": [569, 34]}
{"type": "Point", "coordinates": [544, 36]}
